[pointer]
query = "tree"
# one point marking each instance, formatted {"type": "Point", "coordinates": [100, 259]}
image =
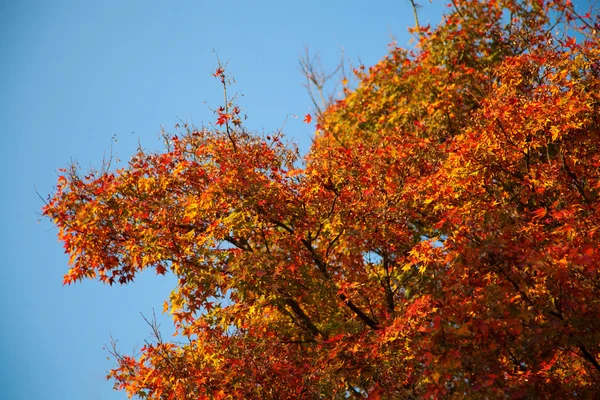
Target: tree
{"type": "Point", "coordinates": [440, 240]}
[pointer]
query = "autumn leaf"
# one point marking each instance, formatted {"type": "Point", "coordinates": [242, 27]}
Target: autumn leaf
{"type": "Point", "coordinates": [219, 72]}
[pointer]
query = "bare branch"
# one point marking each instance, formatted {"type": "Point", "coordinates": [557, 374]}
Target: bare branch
{"type": "Point", "coordinates": [316, 79]}
{"type": "Point", "coordinates": [415, 6]}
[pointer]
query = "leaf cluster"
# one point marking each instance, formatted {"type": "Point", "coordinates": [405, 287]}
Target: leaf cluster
{"type": "Point", "coordinates": [439, 241]}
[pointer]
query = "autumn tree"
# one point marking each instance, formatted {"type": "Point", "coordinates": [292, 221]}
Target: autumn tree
{"type": "Point", "coordinates": [440, 239]}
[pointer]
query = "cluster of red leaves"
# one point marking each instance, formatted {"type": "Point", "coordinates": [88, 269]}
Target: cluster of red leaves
{"type": "Point", "coordinates": [440, 242]}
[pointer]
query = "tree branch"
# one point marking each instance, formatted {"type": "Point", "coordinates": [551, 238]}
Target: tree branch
{"type": "Point", "coordinates": [306, 322]}
{"type": "Point", "coordinates": [588, 356]}
{"type": "Point", "coordinates": [416, 15]}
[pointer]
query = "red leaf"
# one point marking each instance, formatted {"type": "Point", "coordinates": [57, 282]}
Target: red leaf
{"type": "Point", "coordinates": [218, 72]}
{"type": "Point", "coordinates": [307, 118]}
{"type": "Point", "coordinates": [160, 270]}
{"type": "Point", "coordinates": [223, 118]}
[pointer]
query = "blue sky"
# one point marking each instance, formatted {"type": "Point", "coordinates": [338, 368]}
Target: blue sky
{"type": "Point", "coordinates": [73, 74]}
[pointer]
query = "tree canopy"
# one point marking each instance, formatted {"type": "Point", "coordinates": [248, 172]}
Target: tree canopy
{"type": "Point", "coordinates": [441, 239]}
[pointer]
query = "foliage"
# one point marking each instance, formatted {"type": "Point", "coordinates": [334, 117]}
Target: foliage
{"type": "Point", "coordinates": [440, 240]}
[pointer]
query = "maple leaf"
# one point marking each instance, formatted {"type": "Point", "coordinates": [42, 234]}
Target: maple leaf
{"type": "Point", "coordinates": [219, 72]}
{"type": "Point", "coordinates": [223, 118]}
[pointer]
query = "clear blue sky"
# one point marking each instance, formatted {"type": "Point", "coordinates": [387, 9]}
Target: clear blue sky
{"type": "Point", "coordinates": [74, 73]}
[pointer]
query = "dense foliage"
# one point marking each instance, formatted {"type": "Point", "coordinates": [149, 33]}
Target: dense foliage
{"type": "Point", "coordinates": [440, 240]}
